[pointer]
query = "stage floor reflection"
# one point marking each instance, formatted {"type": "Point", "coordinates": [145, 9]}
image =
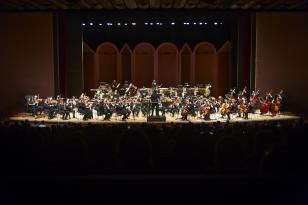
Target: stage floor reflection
{"type": "Point", "coordinates": [169, 119]}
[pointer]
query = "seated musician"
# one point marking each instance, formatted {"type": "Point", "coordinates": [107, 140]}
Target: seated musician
{"type": "Point", "coordinates": [115, 85]}
{"type": "Point", "coordinates": [62, 109]}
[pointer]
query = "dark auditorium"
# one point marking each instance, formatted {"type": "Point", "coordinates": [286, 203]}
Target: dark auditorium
{"type": "Point", "coordinates": [154, 101]}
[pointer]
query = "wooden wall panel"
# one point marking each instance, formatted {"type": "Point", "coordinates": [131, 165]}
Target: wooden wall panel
{"type": "Point", "coordinates": [186, 65]}
{"type": "Point", "coordinates": [108, 59]}
{"type": "Point", "coordinates": [205, 65]}
{"type": "Point", "coordinates": [167, 65]}
{"type": "Point", "coordinates": [224, 63]}
{"type": "Point", "coordinates": [126, 63]}
{"type": "Point", "coordinates": [144, 61]}
{"type": "Point", "coordinates": [89, 69]}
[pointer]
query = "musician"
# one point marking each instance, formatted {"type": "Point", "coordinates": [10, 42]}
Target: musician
{"type": "Point", "coordinates": [115, 85]}
{"type": "Point", "coordinates": [62, 110]}
{"type": "Point", "coordinates": [155, 99]}
{"type": "Point", "coordinates": [225, 109]}
{"type": "Point", "coordinates": [125, 85]}
{"type": "Point", "coordinates": [154, 85]}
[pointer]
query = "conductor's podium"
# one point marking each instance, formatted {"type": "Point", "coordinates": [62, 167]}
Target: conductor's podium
{"type": "Point", "coordinates": [156, 119]}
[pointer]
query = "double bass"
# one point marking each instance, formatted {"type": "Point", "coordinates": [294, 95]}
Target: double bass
{"type": "Point", "coordinates": [275, 106]}
{"type": "Point", "coordinates": [266, 104]}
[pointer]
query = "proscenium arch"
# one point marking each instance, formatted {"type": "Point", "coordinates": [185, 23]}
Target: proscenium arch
{"type": "Point", "coordinates": [167, 64]}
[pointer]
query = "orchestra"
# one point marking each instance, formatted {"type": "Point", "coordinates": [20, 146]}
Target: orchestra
{"type": "Point", "coordinates": [180, 102]}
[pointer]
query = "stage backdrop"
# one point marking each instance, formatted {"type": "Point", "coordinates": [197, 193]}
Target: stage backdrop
{"type": "Point", "coordinates": [282, 56]}
{"type": "Point", "coordinates": [26, 58]}
{"type": "Point", "coordinates": [167, 64]}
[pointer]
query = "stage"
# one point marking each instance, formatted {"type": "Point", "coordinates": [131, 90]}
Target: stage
{"type": "Point", "coordinates": [286, 116]}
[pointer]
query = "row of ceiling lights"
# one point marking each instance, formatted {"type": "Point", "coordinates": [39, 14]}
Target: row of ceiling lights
{"type": "Point", "coordinates": [152, 24]}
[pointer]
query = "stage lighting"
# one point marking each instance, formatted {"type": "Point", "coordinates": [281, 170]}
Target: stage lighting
{"type": "Point", "coordinates": [119, 24]}
{"type": "Point", "coordinates": [160, 24]}
{"type": "Point", "coordinates": [187, 23]}
{"type": "Point", "coordinates": [91, 24]}
{"type": "Point", "coordinates": [125, 24]}
{"type": "Point", "coordinates": [157, 23]}
{"type": "Point", "coordinates": [83, 24]}
{"type": "Point", "coordinates": [134, 23]}
{"type": "Point", "coordinates": [195, 23]}
{"type": "Point", "coordinates": [215, 23]}
{"type": "Point", "coordinates": [151, 24]}
{"type": "Point", "coordinates": [100, 24]}
{"type": "Point", "coordinates": [146, 23]}
{"type": "Point", "coordinates": [200, 23]}
{"type": "Point", "coordinates": [220, 23]}
{"type": "Point", "coordinates": [172, 23]}
{"type": "Point", "coordinates": [205, 23]}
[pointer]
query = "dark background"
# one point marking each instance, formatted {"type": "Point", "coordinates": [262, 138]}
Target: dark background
{"type": "Point", "coordinates": [177, 34]}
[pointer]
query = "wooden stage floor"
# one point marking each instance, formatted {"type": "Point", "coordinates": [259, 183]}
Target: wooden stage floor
{"type": "Point", "coordinates": [169, 119]}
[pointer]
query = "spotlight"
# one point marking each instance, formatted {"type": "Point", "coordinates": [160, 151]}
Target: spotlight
{"type": "Point", "coordinates": [172, 23]}
{"type": "Point", "coordinates": [100, 24]}
{"type": "Point", "coordinates": [134, 23]}
{"type": "Point", "coordinates": [91, 24]}
{"type": "Point", "coordinates": [200, 23]}
{"type": "Point", "coordinates": [160, 24]}
{"type": "Point", "coordinates": [195, 23]}
{"type": "Point", "coordinates": [125, 24]}
{"type": "Point", "coordinates": [83, 24]}
{"type": "Point", "coordinates": [151, 24]}
{"type": "Point", "coordinates": [119, 24]}
{"type": "Point", "coordinates": [109, 24]}
{"type": "Point", "coordinates": [146, 23]}
{"type": "Point", "coordinates": [157, 23]}
{"type": "Point", "coordinates": [187, 23]}
{"type": "Point", "coordinates": [215, 23]}
{"type": "Point", "coordinates": [220, 23]}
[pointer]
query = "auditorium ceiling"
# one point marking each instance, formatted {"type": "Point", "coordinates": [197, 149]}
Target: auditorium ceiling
{"type": "Point", "coordinates": [12, 5]}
